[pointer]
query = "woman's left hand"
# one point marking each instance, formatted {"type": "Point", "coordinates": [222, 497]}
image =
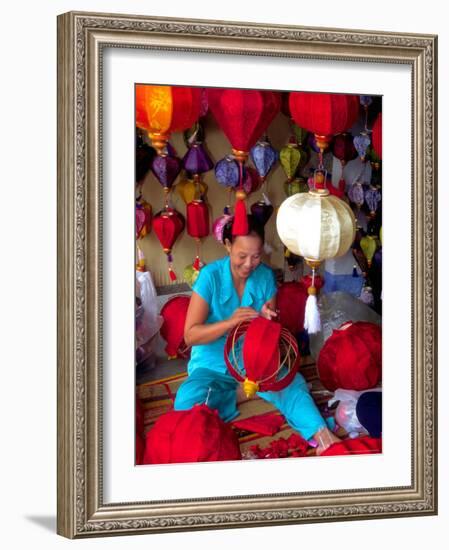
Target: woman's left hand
{"type": "Point", "coordinates": [268, 312]}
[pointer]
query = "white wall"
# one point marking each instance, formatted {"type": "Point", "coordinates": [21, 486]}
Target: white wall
{"type": "Point", "coordinates": [28, 269]}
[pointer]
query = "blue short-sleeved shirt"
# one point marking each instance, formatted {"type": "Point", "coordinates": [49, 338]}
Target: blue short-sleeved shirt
{"type": "Point", "coordinates": [215, 285]}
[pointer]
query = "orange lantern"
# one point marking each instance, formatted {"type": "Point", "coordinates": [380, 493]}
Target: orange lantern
{"type": "Point", "coordinates": [161, 110]}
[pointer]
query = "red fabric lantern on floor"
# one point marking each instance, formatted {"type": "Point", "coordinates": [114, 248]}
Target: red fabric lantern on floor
{"type": "Point", "coordinates": [168, 225]}
{"type": "Point", "coordinates": [269, 359]}
{"type": "Point", "coordinates": [351, 357]}
{"type": "Point", "coordinates": [197, 225]}
{"type": "Point", "coordinates": [162, 110]}
{"type": "Point", "coordinates": [140, 441]}
{"type": "Point", "coordinates": [358, 446]}
{"type": "Point", "coordinates": [195, 435]}
{"type": "Point", "coordinates": [243, 115]}
{"type": "Point", "coordinates": [376, 136]}
{"type": "Point", "coordinates": [324, 114]}
{"type": "Point", "coordinates": [174, 313]}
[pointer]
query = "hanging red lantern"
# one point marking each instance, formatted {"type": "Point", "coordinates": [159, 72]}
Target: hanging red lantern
{"type": "Point", "coordinates": [343, 149]}
{"type": "Point", "coordinates": [351, 357]}
{"type": "Point", "coordinates": [168, 225]}
{"type": "Point", "coordinates": [162, 110]}
{"type": "Point", "coordinates": [197, 225]}
{"type": "Point", "coordinates": [376, 136]}
{"type": "Point", "coordinates": [243, 115]}
{"type": "Point", "coordinates": [269, 359]}
{"type": "Point", "coordinates": [324, 114]}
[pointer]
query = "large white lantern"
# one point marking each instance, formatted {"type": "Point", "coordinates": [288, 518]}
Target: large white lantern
{"type": "Point", "coordinates": [317, 226]}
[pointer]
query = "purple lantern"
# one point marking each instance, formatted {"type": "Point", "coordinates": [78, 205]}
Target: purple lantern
{"type": "Point", "coordinates": [372, 199]}
{"type": "Point", "coordinates": [264, 157]}
{"type": "Point", "coordinates": [196, 160]}
{"type": "Point", "coordinates": [356, 194]}
{"type": "Point", "coordinates": [227, 172]}
{"type": "Point", "coordinates": [262, 210]}
{"type": "Point", "coordinates": [166, 169]}
{"type": "Point", "coordinates": [361, 143]}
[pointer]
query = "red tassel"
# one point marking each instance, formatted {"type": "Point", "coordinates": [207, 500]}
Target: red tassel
{"type": "Point", "coordinates": [240, 224]}
{"type": "Point", "coordinates": [196, 264]}
{"type": "Point", "coordinates": [172, 274]}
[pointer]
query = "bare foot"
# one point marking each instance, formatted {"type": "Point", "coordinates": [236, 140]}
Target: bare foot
{"type": "Point", "coordinates": [325, 438]}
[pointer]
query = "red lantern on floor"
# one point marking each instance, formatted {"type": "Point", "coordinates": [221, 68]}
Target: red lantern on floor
{"type": "Point", "coordinates": [174, 313]}
{"type": "Point", "coordinates": [269, 359]}
{"type": "Point", "coordinates": [195, 435]}
{"type": "Point", "coordinates": [351, 357]}
{"type": "Point", "coordinates": [376, 136]}
{"type": "Point", "coordinates": [243, 115]}
{"type": "Point", "coordinates": [162, 110]}
{"type": "Point", "coordinates": [168, 225]}
{"type": "Point", "coordinates": [324, 114]}
{"type": "Point", "coordinates": [197, 225]}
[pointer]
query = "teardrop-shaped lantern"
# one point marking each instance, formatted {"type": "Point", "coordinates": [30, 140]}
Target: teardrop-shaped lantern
{"type": "Point", "coordinates": [264, 157]}
{"type": "Point", "coordinates": [162, 110]}
{"type": "Point", "coordinates": [361, 144]}
{"type": "Point", "coordinates": [372, 199]}
{"type": "Point", "coordinates": [227, 172]}
{"type": "Point", "coordinates": [290, 158]}
{"type": "Point", "coordinates": [268, 360]}
{"type": "Point", "coordinates": [168, 225]}
{"type": "Point", "coordinates": [368, 244]}
{"type": "Point", "coordinates": [166, 168]}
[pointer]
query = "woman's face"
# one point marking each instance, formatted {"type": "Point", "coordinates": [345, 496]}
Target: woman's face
{"type": "Point", "coordinates": [245, 253]}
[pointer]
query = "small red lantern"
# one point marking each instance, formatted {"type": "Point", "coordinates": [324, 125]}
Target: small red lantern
{"type": "Point", "coordinates": [324, 114]}
{"type": "Point", "coordinates": [195, 435]}
{"type": "Point", "coordinates": [168, 225]}
{"type": "Point", "coordinates": [197, 225]}
{"type": "Point", "coordinates": [343, 149]}
{"type": "Point", "coordinates": [351, 357]}
{"type": "Point", "coordinates": [269, 359]}
{"type": "Point", "coordinates": [174, 313]}
{"type": "Point", "coordinates": [376, 136]}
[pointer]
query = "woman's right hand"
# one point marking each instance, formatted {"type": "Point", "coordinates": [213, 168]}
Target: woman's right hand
{"type": "Point", "coordinates": [243, 314]}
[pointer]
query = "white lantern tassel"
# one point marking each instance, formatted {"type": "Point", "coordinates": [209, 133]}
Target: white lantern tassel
{"type": "Point", "coordinates": [312, 320]}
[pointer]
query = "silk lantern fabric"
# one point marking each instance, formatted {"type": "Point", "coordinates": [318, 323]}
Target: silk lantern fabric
{"type": "Point", "coordinates": [197, 219]}
{"type": "Point", "coordinates": [358, 446]}
{"type": "Point", "coordinates": [266, 347]}
{"type": "Point", "coordinates": [351, 358]}
{"type": "Point", "coordinates": [174, 314]}
{"type": "Point", "coordinates": [162, 110]}
{"type": "Point", "coordinates": [324, 114]}
{"type": "Point", "coordinates": [243, 115]}
{"type": "Point", "coordinates": [168, 225]}
{"type": "Point", "coordinates": [316, 225]}
{"type": "Point", "coordinates": [195, 435]}
{"type": "Point", "coordinates": [376, 135]}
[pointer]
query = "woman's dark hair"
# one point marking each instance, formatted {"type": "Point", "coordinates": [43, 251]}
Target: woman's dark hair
{"type": "Point", "coordinates": [254, 228]}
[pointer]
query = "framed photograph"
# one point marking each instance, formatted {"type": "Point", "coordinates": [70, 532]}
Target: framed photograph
{"type": "Point", "coordinates": [106, 147]}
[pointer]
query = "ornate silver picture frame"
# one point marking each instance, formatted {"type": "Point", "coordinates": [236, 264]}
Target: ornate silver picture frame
{"type": "Point", "coordinates": [83, 39]}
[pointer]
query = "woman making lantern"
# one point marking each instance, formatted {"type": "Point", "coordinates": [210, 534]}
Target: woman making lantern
{"type": "Point", "coordinates": [229, 291]}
